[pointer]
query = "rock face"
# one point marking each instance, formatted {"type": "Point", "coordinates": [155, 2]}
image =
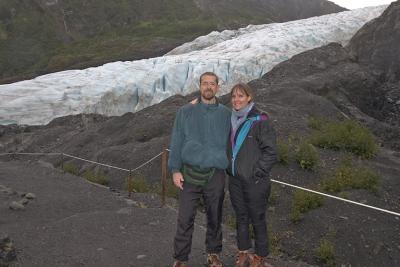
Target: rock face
{"type": "Point", "coordinates": [376, 45]}
{"type": "Point", "coordinates": [17, 206]}
{"type": "Point", "coordinates": [376, 48]}
{"type": "Point", "coordinates": [360, 80]}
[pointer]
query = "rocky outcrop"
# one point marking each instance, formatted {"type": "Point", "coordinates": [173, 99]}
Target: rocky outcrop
{"type": "Point", "coordinates": [376, 45]}
{"type": "Point", "coordinates": [376, 48]}
{"type": "Point", "coordinates": [360, 80]}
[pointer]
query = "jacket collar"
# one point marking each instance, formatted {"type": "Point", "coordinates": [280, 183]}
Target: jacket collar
{"type": "Point", "coordinates": [207, 106]}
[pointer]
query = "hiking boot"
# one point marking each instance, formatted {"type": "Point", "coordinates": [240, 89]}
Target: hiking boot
{"type": "Point", "coordinates": [213, 260]}
{"type": "Point", "coordinates": [258, 261]}
{"type": "Point", "coordinates": [180, 264]}
{"type": "Point", "coordinates": [242, 259]}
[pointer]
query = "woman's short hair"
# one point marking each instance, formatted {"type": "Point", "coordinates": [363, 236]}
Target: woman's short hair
{"type": "Point", "coordinates": [244, 88]}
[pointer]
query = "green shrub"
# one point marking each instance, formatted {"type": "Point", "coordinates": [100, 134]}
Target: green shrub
{"type": "Point", "coordinates": [307, 156]}
{"type": "Point", "coordinates": [344, 135]}
{"type": "Point", "coordinates": [97, 177]}
{"type": "Point", "coordinates": [71, 168]}
{"type": "Point", "coordinates": [316, 123]}
{"type": "Point", "coordinates": [283, 153]}
{"type": "Point", "coordinates": [170, 191]}
{"type": "Point", "coordinates": [302, 202]}
{"type": "Point", "coordinates": [274, 242]}
{"type": "Point", "coordinates": [325, 253]}
{"type": "Point", "coordinates": [273, 197]}
{"type": "Point", "coordinates": [138, 184]}
{"type": "Point", "coordinates": [348, 176]}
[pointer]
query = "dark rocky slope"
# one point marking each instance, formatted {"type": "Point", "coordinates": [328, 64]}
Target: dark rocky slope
{"type": "Point", "coordinates": [361, 79]}
{"type": "Point", "coordinates": [331, 82]}
{"type": "Point", "coordinates": [42, 36]}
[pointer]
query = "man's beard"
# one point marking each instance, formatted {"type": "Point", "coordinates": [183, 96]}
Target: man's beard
{"type": "Point", "coordinates": [208, 94]}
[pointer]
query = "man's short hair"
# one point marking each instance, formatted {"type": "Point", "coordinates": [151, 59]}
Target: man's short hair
{"type": "Point", "coordinates": [209, 73]}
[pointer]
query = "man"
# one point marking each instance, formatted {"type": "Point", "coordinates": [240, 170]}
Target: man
{"type": "Point", "coordinates": [198, 161]}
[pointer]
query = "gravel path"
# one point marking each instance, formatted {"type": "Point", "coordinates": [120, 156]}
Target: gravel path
{"type": "Point", "coordinates": [71, 222]}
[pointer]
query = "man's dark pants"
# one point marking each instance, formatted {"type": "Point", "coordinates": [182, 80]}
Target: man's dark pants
{"type": "Point", "coordinates": [213, 196]}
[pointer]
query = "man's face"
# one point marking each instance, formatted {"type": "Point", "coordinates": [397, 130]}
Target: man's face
{"type": "Point", "coordinates": [208, 87]}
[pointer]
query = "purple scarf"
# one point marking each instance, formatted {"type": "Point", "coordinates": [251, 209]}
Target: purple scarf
{"type": "Point", "coordinates": [237, 118]}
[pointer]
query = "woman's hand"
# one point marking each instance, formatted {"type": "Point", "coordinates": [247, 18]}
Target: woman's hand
{"type": "Point", "coordinates": [194, 101]}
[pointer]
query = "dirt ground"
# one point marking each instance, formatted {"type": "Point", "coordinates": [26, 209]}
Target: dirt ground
{"type": "Point", "coordinates": [71, 222]}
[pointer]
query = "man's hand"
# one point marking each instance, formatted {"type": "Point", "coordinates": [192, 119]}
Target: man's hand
{"type": "Point", "coordinates": [178, 180]}
{"type": "Point", "coordinates": [194, 101]}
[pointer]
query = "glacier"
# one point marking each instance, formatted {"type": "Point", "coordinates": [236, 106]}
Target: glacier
{"type": "Point", "coordinates": [119, 87]}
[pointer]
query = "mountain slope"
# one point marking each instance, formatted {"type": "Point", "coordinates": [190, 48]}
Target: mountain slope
{"type": "Point", "coordinates": [43, 36]}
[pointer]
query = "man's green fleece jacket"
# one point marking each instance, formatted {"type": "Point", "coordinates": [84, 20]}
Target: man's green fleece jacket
{"type": "Point", "coordinates": [200, 137]}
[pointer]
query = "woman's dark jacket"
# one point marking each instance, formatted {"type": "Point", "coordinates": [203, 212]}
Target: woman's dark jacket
{"type": "Point", "coordinates": [257, 154]}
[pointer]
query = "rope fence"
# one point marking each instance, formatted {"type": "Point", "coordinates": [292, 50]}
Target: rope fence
{"type": "Point", "coordinates": [164, 155]}
{"type": "Point", "coordinates": [335, 197]}
{"type": "Point", "coordinates": [94, 162]}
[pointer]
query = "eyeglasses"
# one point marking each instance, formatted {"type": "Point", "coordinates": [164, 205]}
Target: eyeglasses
{"type": "Point", "coordinates": [208, 83]}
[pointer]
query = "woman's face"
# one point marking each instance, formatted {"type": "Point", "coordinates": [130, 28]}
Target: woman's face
{"type": "Point", "coordinates": [239, 99]}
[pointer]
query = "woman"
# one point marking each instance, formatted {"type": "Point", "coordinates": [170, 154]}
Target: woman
{"type": "Point", "coordinates": [252, 152]}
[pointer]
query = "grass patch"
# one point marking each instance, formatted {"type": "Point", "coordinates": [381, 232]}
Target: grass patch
{"type": "Point", "coordinates": [316, 123]}
{"type": "Point", "coordinates": [283, 153]}
{"type": "Point", "coordinates": [325, 253]}
{"type": "Point", "coordinates": [307, 156]}
{"type": "Point", "coordinates": [348, 176]}
{"type": "Point", "coordinates": [274, 242]}
{"type": "Point", "coordinates": [303, 202]}
{"type": "Point", "coordinates": [345, 135]}
{"type": "Point", "coordinates": [273, 197]}
{"type": "Point", "coordinates": [96, 177]}
{"type": "Point", "coordinates": [275, 239]}
{"type": "Point", "coordinates": [141, 185]}
{"type": "Point", "coordinates": [71, 168]}
{"type": "Point", "coordinates": [170, 191]}
{"type": "Point", "coordinates": [138, 184]}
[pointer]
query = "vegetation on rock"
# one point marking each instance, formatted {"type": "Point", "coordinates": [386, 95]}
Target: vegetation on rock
{"type": "Point", "coordinates": [307, 156]}
{"type": "Point", "coordinates": [96, 177]}
{"type": "Point", "coordinates": [345, 135]}
{"type": "Point", "coordinates": [303, 202]}
{"type": "Point", "coordinates": [347, 176]}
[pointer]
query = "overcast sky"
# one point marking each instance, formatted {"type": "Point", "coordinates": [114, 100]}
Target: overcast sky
{"type": "Point", "coordinates": [351, 4]}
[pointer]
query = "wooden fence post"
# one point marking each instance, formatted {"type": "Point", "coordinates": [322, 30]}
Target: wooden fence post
{"type": "Point", "coordinates": [129, 183]}
{"type": "Point", "coordinates": [164, 160]}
